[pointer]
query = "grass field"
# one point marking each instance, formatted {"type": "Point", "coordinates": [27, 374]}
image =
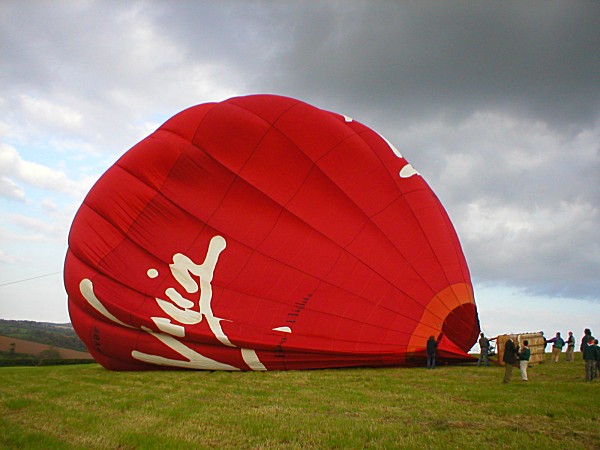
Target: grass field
{"type": "Point", "coordinates": [464, 407]}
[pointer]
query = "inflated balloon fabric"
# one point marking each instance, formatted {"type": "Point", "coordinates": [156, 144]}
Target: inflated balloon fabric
{"type": "Point", "coordinates": [262, 233]}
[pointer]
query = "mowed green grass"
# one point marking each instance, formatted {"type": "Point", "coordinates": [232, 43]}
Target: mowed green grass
{"type": "Point", "coordinates": [86, 406]}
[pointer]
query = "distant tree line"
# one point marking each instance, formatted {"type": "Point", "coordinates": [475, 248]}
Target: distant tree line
{"type": "Point", "coordinates": [53, 334]}
{"type": "Point", "coordinates": [48, 357]}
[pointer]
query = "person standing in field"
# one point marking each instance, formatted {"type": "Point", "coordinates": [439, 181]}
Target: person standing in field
{"type": "Point", "coordinates": [570, 347]}
{"type": "Point", "coordinates": [545, 341]}
{"type": "Point", "coordinates": [524, 355]}
{"type": "Point", "coordinates": [510, 357]}
{"type": "Point", "coordinates": [589, 356]}
{"type": "Point", "coordinates": [597, 355]}
{"type": "Point", "coordinates": [587, 333]}
{"type": "Point", "coordinates": [484, 346]}
{"type": "Point", "coordinates": [557, 345]}
{"type": "Point", "coordinates": [431, 348]}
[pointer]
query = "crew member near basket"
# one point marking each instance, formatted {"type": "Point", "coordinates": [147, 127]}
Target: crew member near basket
{"type": "Point", "coordinates": [570, 347]}
{"type": "Point", "coordinates": [484, 346]}
{"type": "Point", "coordinates": [557, 345]}
{"type": "Point", "coordinates": [510, 357]}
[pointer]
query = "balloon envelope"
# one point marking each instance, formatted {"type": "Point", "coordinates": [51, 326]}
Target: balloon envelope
{"type": "Point", "coordinates": [263, 233]}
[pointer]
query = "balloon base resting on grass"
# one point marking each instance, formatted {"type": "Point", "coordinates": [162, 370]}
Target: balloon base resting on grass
{"type": "Point", "coordinates": [263, 233]}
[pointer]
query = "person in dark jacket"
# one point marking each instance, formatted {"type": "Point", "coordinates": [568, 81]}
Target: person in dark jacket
{"type": "Point", "coordinates": [484, 345]}
{"type": "Point", "coordinates": [510, 357]}
{"type": "Point", "coordinates": [431, 348]}
{"type": "Point", "coordinates": [587, 334]}
{"type": "Point", "coordinates": [597, 351]}
{"type": "Point", "coordinates": [589, 356]}
{"type": "Point", "coordinates": [570, 347]}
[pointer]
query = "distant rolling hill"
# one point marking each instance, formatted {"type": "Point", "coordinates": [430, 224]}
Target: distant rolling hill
{"type": "Point", "coordinates": [32, 338]}
{"type": "Point", "coordinates": [35, 348]}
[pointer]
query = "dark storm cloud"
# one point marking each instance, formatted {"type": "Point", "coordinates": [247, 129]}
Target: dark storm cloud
{"type": "Point", "coordinates": [420, 59]}
{"type": "Point", "coordinates": [497, 104]}
{"type": "Point", "coordinates": [424, 58]}
{"type": "Point", "coordinates": [411, 59]}
{"type": "Point", "coordinates": [523, 197]}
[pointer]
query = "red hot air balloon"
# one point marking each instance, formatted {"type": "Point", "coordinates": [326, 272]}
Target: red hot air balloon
{"type": "Point", "coordinates": [263, 233]}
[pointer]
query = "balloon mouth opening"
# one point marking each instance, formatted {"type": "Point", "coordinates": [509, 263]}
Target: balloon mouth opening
{"type": "Point", "coordinates": [461, 326]}
{"type": "Point", "coordinates": [455, 329]}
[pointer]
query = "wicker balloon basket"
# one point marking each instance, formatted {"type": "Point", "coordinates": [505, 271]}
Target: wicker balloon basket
{"type": "Point", "coordinates": [536, 345]}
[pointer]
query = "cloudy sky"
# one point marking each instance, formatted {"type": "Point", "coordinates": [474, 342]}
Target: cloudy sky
{"type": "Point", "coordinates": [497, 104]}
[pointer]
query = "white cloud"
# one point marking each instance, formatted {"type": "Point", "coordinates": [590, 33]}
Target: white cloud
{"type": "Point", "coordinates": [523, 197]}
{"type": "Point", "coordinates": [36, 229]}
{"type": "Point", "coordinates": [43, 110]}
{"type": "Point", "coordinates": [49, 205]}
{"type": "Point", "coordinates": [145, 42]}
{"type": "Point", "coordinates": [10, 189]}
{"type": "Point", "coordinates": [6, 259]}
{"type": "Point", "coordinates": [15, 171]}
{"type": "Point", "coordinates": [504, 310]}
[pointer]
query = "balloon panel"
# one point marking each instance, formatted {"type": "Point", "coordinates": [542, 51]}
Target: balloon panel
{"type": "Point", "coordinates": [262, 233]}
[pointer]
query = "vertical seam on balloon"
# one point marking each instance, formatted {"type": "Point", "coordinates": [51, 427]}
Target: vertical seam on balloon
{"type": "Point", "coordinates": [402, 194]}
{"type": "Point", "coordinates": [237, 174]}
{"type": "Point", "coordinates": [114, 277]}
{"type": "Point", "coordinates": [126, 236]}
{"type": "Point", "coordinates": [315, 166]}
{"type": "Point", "coordinates": [282, 207]}
{"type": "Point", "coordinates": [370, 220]}
{"type": "Point", "coordinates": [439, 209]}
{"type": "Point", "coordinates": [342, 250]}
